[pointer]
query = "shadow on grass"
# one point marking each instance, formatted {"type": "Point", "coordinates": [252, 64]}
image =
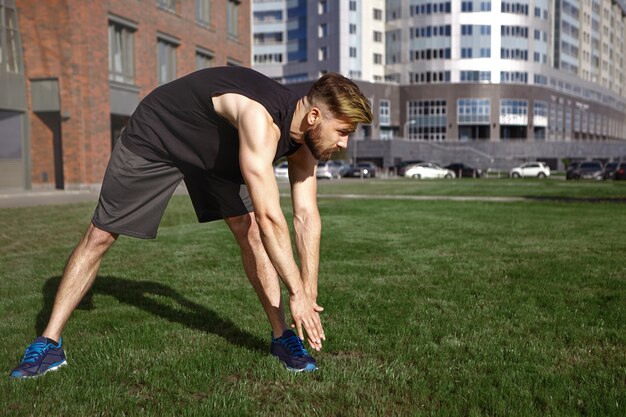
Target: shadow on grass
{"type": "Point", "coordinates": [139, 294]}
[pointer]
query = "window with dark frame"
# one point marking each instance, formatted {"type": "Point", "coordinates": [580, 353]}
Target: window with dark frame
{"type": "Point", "coordinates": [121, 53]}
{"type": "Point", "coordinates": [166, 60]}
{"type": "Point", "coordinates": [203, 12]}
{"type": "Point", "coordinates": [10, 51]}
{"type": "Point", "coordinates": [204, 59]}
{"type": "Point", "coordinates": [232, 17]}
{"type": "Point", "coordinates": [169, 5]}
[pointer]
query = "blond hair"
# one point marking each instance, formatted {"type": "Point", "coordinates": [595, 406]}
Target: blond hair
{"type": "Point", "coordinates": [342, 97]}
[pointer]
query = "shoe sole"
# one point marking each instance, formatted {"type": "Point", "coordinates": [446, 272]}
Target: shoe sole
{"type": "Point", "coordinates": [52, 368]}
{"type": "Point", "coordinates": [309, 368]}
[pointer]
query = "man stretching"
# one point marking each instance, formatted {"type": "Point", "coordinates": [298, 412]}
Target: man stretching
{"type": "Point", "coordinates": [220, 130]}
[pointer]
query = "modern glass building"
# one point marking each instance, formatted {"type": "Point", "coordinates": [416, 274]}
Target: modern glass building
{"type": "Point", "coordinates": [298, 40]}
{"type": "Point", "coordinates": [471, 70]}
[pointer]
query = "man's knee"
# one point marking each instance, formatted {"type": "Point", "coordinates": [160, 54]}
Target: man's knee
{"type": "Point", "coordinates": [96, 238]}
{"type": "Point", "coordinates": [244, 228]}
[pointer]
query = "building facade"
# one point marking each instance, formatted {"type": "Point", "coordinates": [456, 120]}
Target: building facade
{"type": "Point", "coordinates": [299, 40]}
{"type": "Point", "coordinates": [497, 77]}
{"type": "Point", "coordinates": [72, 72]}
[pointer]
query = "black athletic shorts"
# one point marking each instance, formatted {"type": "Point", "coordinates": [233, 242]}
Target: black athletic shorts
{"type": "Point", "coordinates": [135, 193]}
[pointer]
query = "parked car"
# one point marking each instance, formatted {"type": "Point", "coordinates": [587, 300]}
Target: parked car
{"type": "Point", "coordinates": [609, 170]}
{"type": "Point", "coordinates": [363, 169]}
{"type": "Point", "coordinates": [401, 166]}
{"type": "Point", "coordinates": [570, 169]}
{"type": "Point", "coordinates": [530, 169]}
{"type": "Point", "coordinates": [462, 170]}
{"type": "Point", "coordinates": [620, 172]}
{"type": "Point", "coordinates": [427, 170]}
{"type": "Point", "coordinates": [588, 170]}
{"type": "Point", "coordinates": [344, 166]}
{"type": "Point", "coordinates": [328, 169]}
{"type": "Point", "coordinates": [281, 171]}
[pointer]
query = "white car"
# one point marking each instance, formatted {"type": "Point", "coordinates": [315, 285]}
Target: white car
{"type": "Point", "coordinates": [328, 169]}
{"type": "Point", "coordinates": [281, 171]}
{"type": "Point", "coordinates": [427, 170]}
{"type": "Point", "coordinates": [530, 169]}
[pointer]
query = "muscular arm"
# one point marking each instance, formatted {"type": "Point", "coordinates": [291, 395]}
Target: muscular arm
{"type": "Point", "coordinates": [258, 137]}
{"type": "Point", "coordinates": [306, 219]}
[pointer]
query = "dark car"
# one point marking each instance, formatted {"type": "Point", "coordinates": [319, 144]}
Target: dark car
{"type": "Point", "coordinates": [620, 172]}
{"type": "Point", "coordinates": [363, 170]}
{"type": "Point", "coordinates": [609, 170]}
{"type": "Point", "coordinates": [588, 170]}
{"type": "Point", "coordinates": [462, 170]}
{"type": "Point", "coordinates": [402, 166]}
{"type": "Point", "coordinates": [570, 169]}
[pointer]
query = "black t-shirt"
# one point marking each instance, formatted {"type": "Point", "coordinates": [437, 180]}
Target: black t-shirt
{"type": "Point", "coordinates": [177, 123]}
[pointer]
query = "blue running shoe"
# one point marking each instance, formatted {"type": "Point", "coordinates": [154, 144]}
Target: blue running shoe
{"type": "Point", "coordinates": [40, 357]}
{"type": "Point", "coordinates": [291, 352]}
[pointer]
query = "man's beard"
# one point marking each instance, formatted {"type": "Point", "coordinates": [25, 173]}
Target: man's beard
{"type": "Point", "coordinates": [312, 138]}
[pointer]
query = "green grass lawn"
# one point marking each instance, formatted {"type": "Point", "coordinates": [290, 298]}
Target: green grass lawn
{"type": "Point", "coordinates": [432, 308]}
{"type": "Point", "coordinates": [487, 187]}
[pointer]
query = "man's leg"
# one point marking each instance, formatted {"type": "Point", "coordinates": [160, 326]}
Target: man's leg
{"type": "Point", "coordinates": [79, 275]}
{"type": "Point", "coordinates": [259, 269]}
{"type": "Point", "coordinates": [46, 353]}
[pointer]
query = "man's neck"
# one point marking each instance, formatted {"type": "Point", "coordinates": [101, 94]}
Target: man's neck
{"type": "Point", "coordinates": [298, 123]}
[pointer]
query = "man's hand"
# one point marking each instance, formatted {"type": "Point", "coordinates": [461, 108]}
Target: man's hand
{"type": "Point", "coordinates": [305, 314]}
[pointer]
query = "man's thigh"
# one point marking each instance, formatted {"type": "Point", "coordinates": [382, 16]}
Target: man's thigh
{"type": "Point", "coordinates": [135, 193]}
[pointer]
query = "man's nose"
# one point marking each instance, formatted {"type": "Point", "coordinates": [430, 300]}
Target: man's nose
{"type": "Point", "coordinates": [343, 143]}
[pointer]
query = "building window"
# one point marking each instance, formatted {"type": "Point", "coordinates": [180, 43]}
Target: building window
{"type": "Point", "coordinates": [427, 120]}
{"type": "Point", "coordinates": [473, 111]}
{"type": "Point", "coordinates": [385, 113]}
{"type": "Point", "coordinates": [232, 16]}
{"type": "Point", "coordinates": [475, 76]}
{"type": "Point", "coordinates": [268, 58]}
{"type": "Point", "coordinates": [167, 5]}
{"type": "Point", "coordinates": [11, 137]}
{"type": "Point", "coordinates": [204, 59]}
{"type": "Point", "coordinates": [268, 38]}
{"type": "Point", "coordinates": [352, 28]}
{"type": "Point", "coordinates": [203, 12]}
{"type": "Point", "coordinates": [511, 77]}
{"type": "Point", "coordinates": [352, 5]}
{"type": "Point", "coordinates": [322, 30]}
{"type": "Point", "coordinates": [352, 51]}
{"type": "Point", "coordinates": [121, 54]}
{"type": "Point", "coordinates": [10, 51]}
{"type": "Point", "coordinates": [428, 77]}
{"type": "Point", "coordinates": [166, 61]}
{"type": "Point", "coordinates": [378, 14]}
{"type": "Point", "coordinates": [378, 58]}
{"type": "Point", "coordinates": [513, 112]}
{"type": "Point", "coordinates": [322, 54]}
{"type": "Point", "coordinates": [322, 7]}
{"type": "Point", "coordinates": [378, 36]}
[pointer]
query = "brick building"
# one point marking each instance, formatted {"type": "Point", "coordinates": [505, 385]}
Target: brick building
{"type": "Point", "coordinates": [73, 71]}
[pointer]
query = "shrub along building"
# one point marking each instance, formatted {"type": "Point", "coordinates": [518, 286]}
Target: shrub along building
{"type": "Point", "coordinates": [73, 71]}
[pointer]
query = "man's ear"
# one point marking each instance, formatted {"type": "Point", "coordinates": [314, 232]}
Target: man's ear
{"type": "Point", "coordinates": [313, 116]}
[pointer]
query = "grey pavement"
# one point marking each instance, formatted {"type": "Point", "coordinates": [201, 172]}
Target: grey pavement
{"type": "Point", "coordinates": [28, 198]}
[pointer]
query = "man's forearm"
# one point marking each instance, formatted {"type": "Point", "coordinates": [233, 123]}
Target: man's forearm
{"type": "Point", "coordinates": [277, 243]}
{"type": "Point", "coordinates": [308, 230]}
